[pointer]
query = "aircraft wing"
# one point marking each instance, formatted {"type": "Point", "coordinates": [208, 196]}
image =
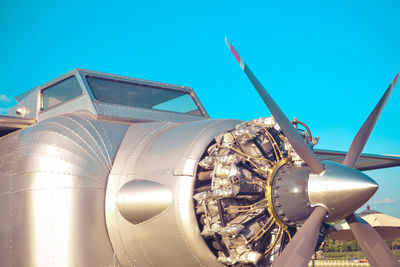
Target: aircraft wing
{"type": "Point", "coordinates": [364, 163]}
{"type": "Point", "coordinates": [10, 124]}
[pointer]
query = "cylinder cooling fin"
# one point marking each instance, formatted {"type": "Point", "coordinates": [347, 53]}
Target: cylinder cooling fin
{"type": "Point", "coordinates": [251, 193]}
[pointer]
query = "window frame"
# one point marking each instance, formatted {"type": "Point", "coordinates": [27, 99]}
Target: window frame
{"type": "Point", "coordinates": [63, 102]}
{"type": "Point", "coordinates": [156, 86]}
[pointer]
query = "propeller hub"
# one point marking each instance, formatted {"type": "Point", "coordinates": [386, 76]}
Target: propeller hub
{"type": "Point", "coordinates": [340, 190]}
{"type": "Point", "coordinates": [289, 194]}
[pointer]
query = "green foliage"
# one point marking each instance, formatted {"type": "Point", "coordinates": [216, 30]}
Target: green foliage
{"type": "Point", "coordinates": [343, 255]}
{"type": "Point", "coordinates": [340, 246]}
{"type": "Point", "coordinates": [395, 243]}
{"type": "Point", "coordinates": [344, 250]}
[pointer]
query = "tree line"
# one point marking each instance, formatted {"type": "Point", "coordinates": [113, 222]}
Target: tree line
{"type": "Point", "coordinates": [346, 246]}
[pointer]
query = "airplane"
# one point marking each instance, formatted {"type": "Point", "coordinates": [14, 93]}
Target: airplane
{"type": "Point", "coordinates": [99, 169]}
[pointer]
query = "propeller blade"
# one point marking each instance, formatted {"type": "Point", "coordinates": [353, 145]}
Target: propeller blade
{"type": "Point", "coordinates": [300, 249]}
{"type": "Point", "coordinates": [363, 134]}
{"type": "Point", "coordinates": [371, 243]}
{"type": "Point", "coordinates": [297, 142]}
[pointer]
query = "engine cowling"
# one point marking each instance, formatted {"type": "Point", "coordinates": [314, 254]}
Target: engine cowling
{"type": "Point", "coordinates": [150, 210]}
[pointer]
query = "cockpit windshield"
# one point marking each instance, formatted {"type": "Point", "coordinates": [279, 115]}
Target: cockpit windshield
{"type": "Point", "coordinates": [142, 96]}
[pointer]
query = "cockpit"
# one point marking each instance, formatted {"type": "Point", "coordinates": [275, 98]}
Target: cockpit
{"type": "Point", "coordinates": [110, 96]}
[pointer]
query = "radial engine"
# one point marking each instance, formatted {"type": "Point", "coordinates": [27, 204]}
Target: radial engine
{"type": "Point", "coordinates": [251, 192]}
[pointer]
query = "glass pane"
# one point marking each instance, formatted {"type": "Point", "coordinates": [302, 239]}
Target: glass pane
{"type": "Point", "coordinates": [181, 104]}
{"type": "Point", "coordinates": [60, 92]}
{"type": "Point", "coordinates": [142, 96]}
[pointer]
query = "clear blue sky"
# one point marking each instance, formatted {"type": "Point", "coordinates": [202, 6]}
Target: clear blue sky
{"type": "Point", "coordinates": [325, 62]}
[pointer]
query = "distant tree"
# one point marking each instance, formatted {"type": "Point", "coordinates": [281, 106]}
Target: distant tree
{"type": "Point", "coordinates": [348, 246]}
{"type": "Point", "coordinates": [395, 243]}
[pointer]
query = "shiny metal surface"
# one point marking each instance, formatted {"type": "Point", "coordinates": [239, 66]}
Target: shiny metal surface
{"type": "Point", "coordinates": [163, 153]}
{"type": "Point", "coordinates": [364, 163]}
{"type": "Point", "coordinates": [290, 198]}
{"type": "Point", "coordinates": [31, 101]}
{"type": "Point", "coordinates": [10, 124]}
{"type": "Point", "coordinates": [365, 131]}
{"type": "Point", "coordinates": [140, 200]}
{"type": "Point", "coordinates": [300, 249]}
{"type": "Point", "coordinates": [53, 178]}
{"type": "Point", "coordinates": [9, 121]}
{"type": "Point", "coordinates": [76, 104]}
{"type": "Point", "coordinates": [141, 114]}
{"type": "Point", "coordinates": [340, 189]}
{"type": "Point", "coordinates": [22, 112]}
{"type": "Point", "coordinates": [52, 189]}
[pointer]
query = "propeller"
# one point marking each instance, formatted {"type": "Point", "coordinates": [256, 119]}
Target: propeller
{"type": "Point", "coordinates": [363, 134]}
{"type": "Point", "coordinates": [303, 243]}
{"type": "Point", "coordinates": [372, 245]}
{"type": "Point", "coordinates": [299, 145]}
{"type": "Point", "coordinates": [302, 246]}
{"type": "Point", "coordinates": [300, 249]}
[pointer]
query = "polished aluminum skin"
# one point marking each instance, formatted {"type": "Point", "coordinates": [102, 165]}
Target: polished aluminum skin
{"type": "Point", "coordinates": [140, 200]}
{"type": "Point", "coordinates": [61, 206]}
{"type": "Point", "coordinates": [53, 178]}
{"type": "Point", "coordinates": [167, 154]}
{"type": "Point", "coordinates": [340, 190]}
{"type": "Point", "coordinates": [70, 181]}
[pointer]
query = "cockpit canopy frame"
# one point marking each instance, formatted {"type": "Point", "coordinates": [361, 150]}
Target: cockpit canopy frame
{"type": "Point", "coordinates": [111, 97]}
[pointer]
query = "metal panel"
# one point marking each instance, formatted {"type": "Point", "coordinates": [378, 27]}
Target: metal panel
{"type": "Point", "coordinates": [141, 114]}
{"type": "Point", "coordinates": [52, 190]}
{"type": "Point", "coordinates": [85, 72]}
{"type": "Point", "coordinates": [364, 163]}
{"type": "Point", "coordinates": [9, 124]}
{"type": "Point", "coordinates": [160, 152]}
{"type": "Point", "coordinates": [81, 103]}
{"type": "Point", "coordinates": [340, 190]}
{"type": "Point", "coordinates": [30, 103]}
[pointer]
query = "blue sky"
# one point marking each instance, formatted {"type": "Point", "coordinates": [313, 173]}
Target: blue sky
{"type": "Point", "coordinates": [326, 63]}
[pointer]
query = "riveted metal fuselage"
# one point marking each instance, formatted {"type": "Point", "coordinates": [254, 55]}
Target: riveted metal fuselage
{"type": "Point", "coordinates": [60, 181]}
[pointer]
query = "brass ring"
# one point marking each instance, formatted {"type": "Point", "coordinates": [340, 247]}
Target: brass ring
{"type": "Point", "coordinates": [268, 192]}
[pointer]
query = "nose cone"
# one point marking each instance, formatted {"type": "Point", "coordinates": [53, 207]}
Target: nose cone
{"type": "Point", "coordinates": [340, 189]}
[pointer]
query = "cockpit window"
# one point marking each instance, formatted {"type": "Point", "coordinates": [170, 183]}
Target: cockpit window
{"type": "Point", "coordinates": [142, 96]}
{"type": "Point", "coordinates": [60, 92]}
